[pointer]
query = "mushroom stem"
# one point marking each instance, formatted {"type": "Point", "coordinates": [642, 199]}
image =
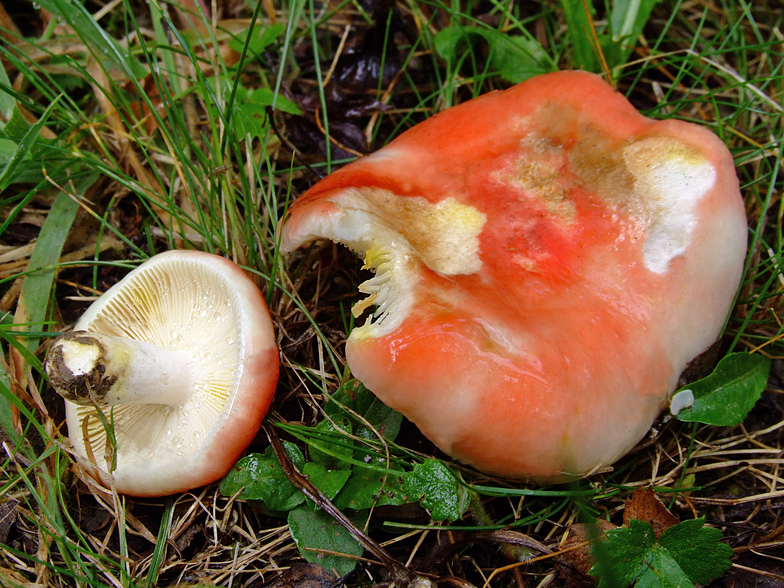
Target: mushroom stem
{"type": "Point", "coordinates": [93, 368]}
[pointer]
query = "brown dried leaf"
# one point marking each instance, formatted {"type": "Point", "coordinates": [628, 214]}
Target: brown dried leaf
{"type": "Point", "coordinates": [304, 575]}
{"type": "Point", "coordinates": [580, 558]}
{"type": "Point", "coordinates": [645, 506]}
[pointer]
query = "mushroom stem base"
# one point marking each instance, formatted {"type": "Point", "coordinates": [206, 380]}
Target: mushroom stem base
{"type": "Point", "coordinates": [93, 368]}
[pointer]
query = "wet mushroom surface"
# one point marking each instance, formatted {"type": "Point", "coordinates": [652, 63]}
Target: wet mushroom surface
{"type": "Point", "coordinates": [547, 261]}
{"type": "Point", "coordinates": [168, 375]}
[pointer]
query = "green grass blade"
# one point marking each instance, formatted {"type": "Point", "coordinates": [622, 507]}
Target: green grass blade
{"type": "Point", "coordinates": [7, 175]}
{"type": "Point", "coordinates": [107, 51]}
{"type": "Point", "coordinates": [37, 286]}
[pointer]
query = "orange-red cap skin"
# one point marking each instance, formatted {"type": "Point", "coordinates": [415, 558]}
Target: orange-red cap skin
{"type": "Point", "coordinates": [555, 357]}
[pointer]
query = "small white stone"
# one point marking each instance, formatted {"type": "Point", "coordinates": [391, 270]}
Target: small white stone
{"type": "Point", "coordinates": [683, 399]}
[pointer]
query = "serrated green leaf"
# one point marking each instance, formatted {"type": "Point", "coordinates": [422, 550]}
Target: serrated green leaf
{"type": "Point", "coordinates": [514, 57]}
{"type": "Point", "coordinates": [726, 396]}
{"type": "Point", "coordinates": [697, 549]}
{"type": "Point", "coordinates": [260, 477]}
{"type": "Point", "coordinates": [314, 530]}
{"type": "Point", "coordinates": [662, 571]}
{"type": "Point", "coordinates": [328, 481]}
{"type": "Point", "coordinates": [437, 489]}
{"type": "Point", "coordinates": [684, 554]}
{"type": "Point", "coordinates": [624, 553]}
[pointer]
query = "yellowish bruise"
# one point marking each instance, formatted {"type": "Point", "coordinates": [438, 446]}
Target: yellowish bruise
{"type": "Point", "coordinates": [374, 257]}
{"type": "Point", "coordinates": [444, 235]}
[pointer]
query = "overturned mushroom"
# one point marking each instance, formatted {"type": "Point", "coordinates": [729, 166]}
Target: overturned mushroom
{"type": "Point", "coordinates": [168, 375]}
{"type": "Point", "coordinates": [547, 261]}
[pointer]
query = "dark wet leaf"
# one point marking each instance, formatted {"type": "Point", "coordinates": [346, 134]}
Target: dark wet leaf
{"type": "Point", "coordinates": [438, 490]}
{"type": "Point", "coordinates": [369, 487]}
{"type": "Point", "coordinates": [371, 60]}
{"type": "Point", "coordinates": [328, 481]}
{"type": "Point", "coordinates": [260, 477]}
{"type": "Point", "coordinates": [314, 530]}
{"type": "Point", "coordinates": [333, 448]}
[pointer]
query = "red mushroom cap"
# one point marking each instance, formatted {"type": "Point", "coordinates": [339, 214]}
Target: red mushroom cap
{"type": "Point", "coordinates": [547, 262]}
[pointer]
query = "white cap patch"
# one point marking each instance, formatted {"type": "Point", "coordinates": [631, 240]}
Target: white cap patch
{"type": "Point", "coordinates": [670, 178]}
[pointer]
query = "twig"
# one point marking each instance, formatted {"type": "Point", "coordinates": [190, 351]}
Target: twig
{"type": "Point", "coordinates": [401, 575]}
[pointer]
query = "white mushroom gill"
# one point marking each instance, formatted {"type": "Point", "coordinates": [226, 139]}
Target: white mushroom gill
{"type": "Point", "coordinates": [190, 311]}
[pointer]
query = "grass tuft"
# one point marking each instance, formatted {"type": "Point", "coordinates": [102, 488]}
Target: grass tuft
{"type": "Point", "coordinates": [141, 127]}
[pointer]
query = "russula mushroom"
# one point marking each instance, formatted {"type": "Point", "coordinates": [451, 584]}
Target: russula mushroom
{"type": "Point", "coordinates": [547, 260]}
{"type": "Point", "coordinates": [175, 366]}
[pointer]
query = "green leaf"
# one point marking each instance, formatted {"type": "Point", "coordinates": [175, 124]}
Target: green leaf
{"type": "Point", "coordinates": [628, 19]}
{"type": "Point", "coordinates": [263, 97]}
{"type": "Point", "coordinates": [584, 51]}
{"type": "Point", "coordinates": [697, 549]}
{"type": "Point", "coordinates": [364, 403]}
{"type": "Point", "coordinates": [16, 126]}
{"type": "Point", "coordinates": [515, 58]}
{"type": "Point", "coordinates": [315, 529]}
{"type": "Point", "coordinates": [328, 481]}
{"type": "Point", "coordinates": [384, 420]}
{"type": "Point", "coordinates": [260, 477]}
{"type": "Point", "coordinates": [726, 396]}
{"type": "Point", "coordinates": [438, 490]}
{"type": "Point", "coordinates": [684, 554]}
{"type": "Point", "coordinates": [333, 452]}
{"type": "Point", "coordinates": [249, 115]}
{"type": "Point", "coordinates": [262, 38]}
{"type": "Point", "coordinates": [624, 553]}
{"type": "Point", "coordinates": [369, 487]}
{"type": "Point", "coordinates": [662, 571]}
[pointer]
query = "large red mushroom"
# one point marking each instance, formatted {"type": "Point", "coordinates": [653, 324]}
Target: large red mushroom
{"type": "Point", "coordinates": [547, 261]}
